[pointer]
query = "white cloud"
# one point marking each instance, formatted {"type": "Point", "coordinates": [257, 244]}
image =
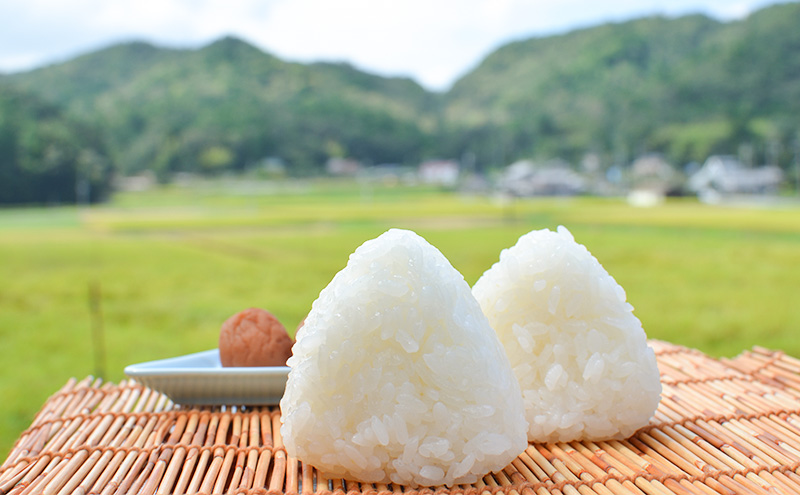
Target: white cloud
{"type": "Point", "coordinates": [433, 42]}
{"type": "Point", "coordinates": [732, 10]}
{"type": "Point", "coordinates": [416, 37]}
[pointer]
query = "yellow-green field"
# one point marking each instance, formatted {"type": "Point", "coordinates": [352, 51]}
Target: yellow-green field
{"type": "Point", "coordinates": [171, 265]}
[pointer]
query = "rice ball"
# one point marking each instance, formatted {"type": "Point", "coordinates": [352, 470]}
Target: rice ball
{"type": "Point", "coordinates": [579, 353]}
{"type": "Point", "coordinates": [254, 337]}
{"type": "Point", "coordinates": [397, 377]}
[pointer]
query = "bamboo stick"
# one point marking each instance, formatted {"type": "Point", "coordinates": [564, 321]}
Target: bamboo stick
{"type": "Point", "coordinates": [172, 469]}
{"type": "Point", "coordinates": [52, 476]}
{"type": "Point", "coordinates": [225, 471]}
{"type": "Point", "coordinates": [307, 482]}
{"type": "Point", "coordinates": [186, 470]}
{"type": "Point", "coordinates": [590, 472]}
{"type": "Point", "coordinates": [212, 471]}
{"type": "Point", "coordinates": [80, 466]}
{"type": "Point", "coordinates": [237, 471]}
{"type": "Point", "coordinates": [612, 478]}
{"type": "Point", "coordinates": [262, 468]}
{"type": "Point", "coordinates": [278, 472]}
{"type": "Point", "coordinates": [249, 474]}
{"type": "Point", "coordinates": [106, 472]}
{"type": "Point", "coordinates": [292, 475]}
{"type": "Point", "coordinates": [624, 466]}
{"type": "Point", "coordinates": [199, 472]}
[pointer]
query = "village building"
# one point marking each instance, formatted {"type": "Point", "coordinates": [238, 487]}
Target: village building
{"type": "Point", "coordinates": [551, 178]}
{"type": "Point", "coordinates": [439, 172]}
{"type": "Point", "coordinates": [726, 175]}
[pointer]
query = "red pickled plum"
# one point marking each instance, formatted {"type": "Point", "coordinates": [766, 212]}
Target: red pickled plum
{"type": "Point", "coordinates": [254, 337]}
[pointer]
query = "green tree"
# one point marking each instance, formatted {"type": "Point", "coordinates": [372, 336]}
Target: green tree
{"type": "Point", "coordinates": [46, 157]}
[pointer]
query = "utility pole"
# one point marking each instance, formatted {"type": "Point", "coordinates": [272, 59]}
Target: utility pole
{"type": "Point", "coordinates": [98, 334]}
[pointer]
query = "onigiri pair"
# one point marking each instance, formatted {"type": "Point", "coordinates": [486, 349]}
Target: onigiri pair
{"type": "Point", "coordinates": [405, 375]}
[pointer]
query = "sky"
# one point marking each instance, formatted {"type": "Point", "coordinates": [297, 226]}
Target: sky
{"type": "Point", "coordinates": [432, 41]}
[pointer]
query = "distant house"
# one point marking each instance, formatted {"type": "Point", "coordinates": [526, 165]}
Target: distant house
{"type": "Point", "coordinates": [723, 174]}
{"type": "Point", "coordinates": [653, 173]}
{"type": "Point", "coordinates": [439, 172]}
{"type": "Point", "coordinates": [342, 166]}
{"type": "Point", "coordinates": [553, 178]}
{"type": "Point", "coordinates": [135, 183]}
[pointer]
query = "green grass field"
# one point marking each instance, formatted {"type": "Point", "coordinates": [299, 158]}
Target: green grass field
{"type": "Point", "coordinates": [171, 265]}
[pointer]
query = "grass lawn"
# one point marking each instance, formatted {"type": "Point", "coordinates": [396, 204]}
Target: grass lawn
{"type": "Point", "coordinates": [171, 265]}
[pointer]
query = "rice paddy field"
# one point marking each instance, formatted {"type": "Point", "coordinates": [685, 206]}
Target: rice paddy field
{"type": "Point", "coordinates": [150, 275]}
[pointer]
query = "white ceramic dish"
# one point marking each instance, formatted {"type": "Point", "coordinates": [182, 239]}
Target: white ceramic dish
{"type": "Point", "coordinates": [200, 379]}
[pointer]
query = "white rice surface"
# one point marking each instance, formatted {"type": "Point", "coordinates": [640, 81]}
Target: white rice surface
{"type": "Point", "coordinates": [398, 377]}
{"type": "Point", "coordinates": [579, 353]}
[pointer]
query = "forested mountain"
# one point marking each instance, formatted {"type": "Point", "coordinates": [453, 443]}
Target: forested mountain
{"type": "Point", "coordinates": [687, 87]}
{"type": "Point", "coordinates": [229, 105]}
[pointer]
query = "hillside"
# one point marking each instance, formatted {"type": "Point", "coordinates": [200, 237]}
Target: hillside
{"type": "Point", "coordinates": [687, 87]}
{"type": "Point", "coordinates": [229, 105]}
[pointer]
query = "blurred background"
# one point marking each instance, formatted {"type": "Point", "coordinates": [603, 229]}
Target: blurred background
{"type": "Point", "coordinates": [164, 165]}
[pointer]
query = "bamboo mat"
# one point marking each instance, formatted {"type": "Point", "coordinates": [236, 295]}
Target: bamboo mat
{"type": "Point", "coordinates": [723, 426]}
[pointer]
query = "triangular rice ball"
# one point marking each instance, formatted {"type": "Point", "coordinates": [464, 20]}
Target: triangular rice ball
{"type": "Point", "coordinates": [580, 355]}
{"type": "Point", "coordinates": [398, 377]}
